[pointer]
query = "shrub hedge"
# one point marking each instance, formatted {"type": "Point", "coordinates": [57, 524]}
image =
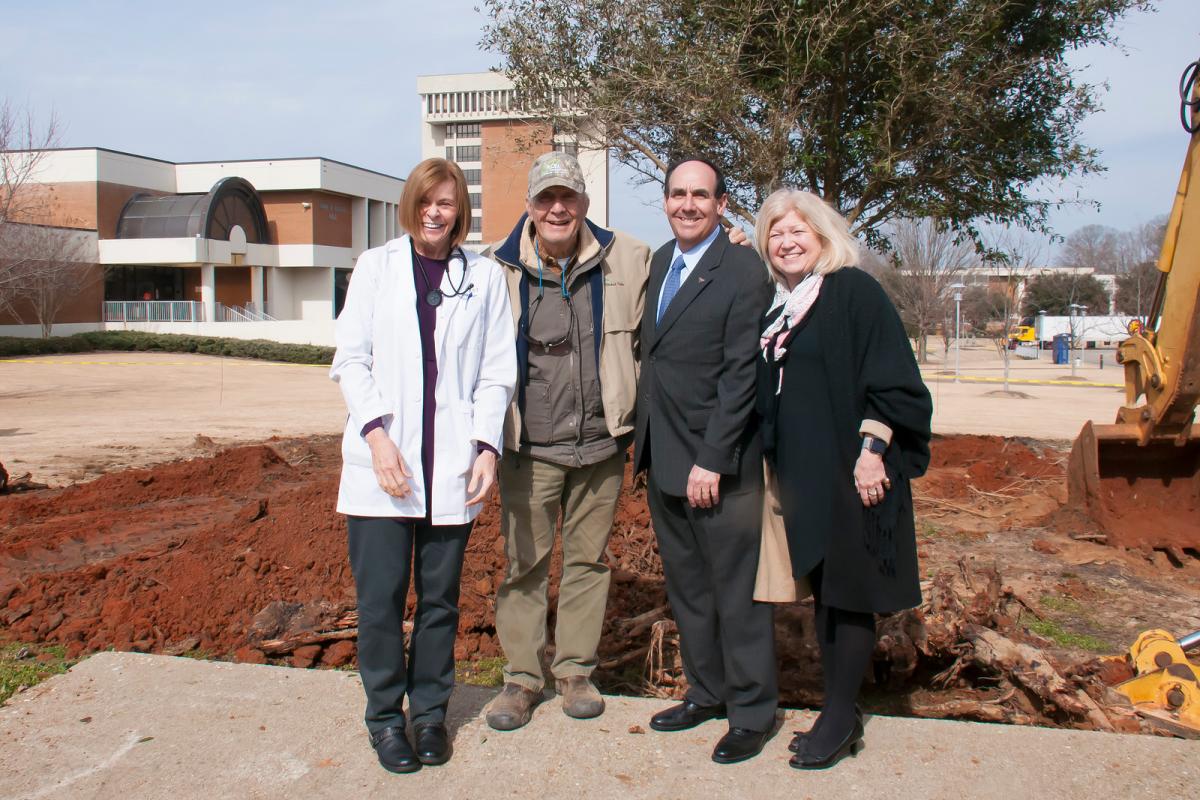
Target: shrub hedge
{"type": "Point", "coordinates": [100, 341]}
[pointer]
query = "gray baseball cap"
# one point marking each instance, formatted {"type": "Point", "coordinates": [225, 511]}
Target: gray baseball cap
{"type": "Point", "coordinates": [555, 169]}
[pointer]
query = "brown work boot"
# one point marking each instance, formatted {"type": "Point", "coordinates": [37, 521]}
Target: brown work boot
{"type": "Point", "coordinates": [512, 708]}
{"type": "Point", "coordinates": [580, 699]}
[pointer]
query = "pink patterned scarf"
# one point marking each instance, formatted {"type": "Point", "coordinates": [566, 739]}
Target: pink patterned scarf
{"type": "Point", "coordinates": [796, 305]}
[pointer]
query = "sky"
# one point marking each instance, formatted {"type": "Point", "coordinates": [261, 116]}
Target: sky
{"type": "Point", "coordinates": [227, 80]}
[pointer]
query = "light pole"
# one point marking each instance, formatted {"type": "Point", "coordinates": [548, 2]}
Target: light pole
{"type": "Point", "coordinates": [1038, 330]}
{"type": "Point", "coordinates": [1078, 313]}
{"type": "Point", "coordinates": [957, 287]}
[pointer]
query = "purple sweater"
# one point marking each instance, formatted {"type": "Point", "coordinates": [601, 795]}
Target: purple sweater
{"type": "Point", "coordinates": [426, 322]}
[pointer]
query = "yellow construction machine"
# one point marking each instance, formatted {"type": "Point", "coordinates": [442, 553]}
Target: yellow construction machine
{"type": "Point", "coordinates": [1139, 479]}
{"type": "Point", "coordinates": [1165, 688]}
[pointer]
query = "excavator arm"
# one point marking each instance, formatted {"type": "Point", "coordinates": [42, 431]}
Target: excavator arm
{"type": "Point", "coordinates": [1139, 479]}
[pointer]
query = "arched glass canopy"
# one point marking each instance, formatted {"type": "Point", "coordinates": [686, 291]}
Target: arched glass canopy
{"type": "Point", "coordinates": [231, 201]}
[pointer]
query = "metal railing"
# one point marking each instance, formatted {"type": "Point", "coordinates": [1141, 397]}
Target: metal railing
{"type": "Point", "coordinates": [153, 311]}
{"type": "Point", "coordinates": [246, 313]}
{"type": "Point", "coordinates": [179, 311]}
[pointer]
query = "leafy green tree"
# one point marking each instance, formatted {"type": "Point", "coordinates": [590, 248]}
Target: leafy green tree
{"type": "Point", "coordinates": [1055, 292]}
{"type": "Point", "coordinates": [954, 109]}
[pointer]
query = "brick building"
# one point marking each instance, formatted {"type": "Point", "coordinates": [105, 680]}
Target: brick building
{"type": "Point", "coordinates": [471, 118]}
{"type": "Point", "coordinates": [182, 247]}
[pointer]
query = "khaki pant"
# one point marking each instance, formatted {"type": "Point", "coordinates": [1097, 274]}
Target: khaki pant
{"type": "Point", "coordinates": [532, 493]}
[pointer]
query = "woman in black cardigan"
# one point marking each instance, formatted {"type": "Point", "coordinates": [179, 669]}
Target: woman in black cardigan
{"type": "Point", "coordinates": [845, 427]}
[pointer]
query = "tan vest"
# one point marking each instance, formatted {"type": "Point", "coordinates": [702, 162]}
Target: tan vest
{"type": "Point", "coordinates": [625, 266]}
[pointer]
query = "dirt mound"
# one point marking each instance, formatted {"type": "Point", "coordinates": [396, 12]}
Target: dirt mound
{"type": "Point", "coordinates": [184, 556]}
{"type": "Point", "coordinates": [988, 464]}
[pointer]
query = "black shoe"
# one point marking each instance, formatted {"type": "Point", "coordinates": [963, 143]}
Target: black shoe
{"type": "Point", "coordinates": [685, 715]}
{"type": "Point", "coordinates": [738, 745]}
{"type": "Point", "coordinates": [800, 737]}
{"type": "Point", "coordinates": [850, 746]}
{"type": "Point", "coordinates": [432, 743]}
{"type": "Point", "coordinates": [394, 752]}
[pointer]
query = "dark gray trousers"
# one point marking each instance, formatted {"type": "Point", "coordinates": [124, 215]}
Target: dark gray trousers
{"type": "Point", "coordinates": [726, 640]}
{"type": "Point", "coordinates": [381, 553]}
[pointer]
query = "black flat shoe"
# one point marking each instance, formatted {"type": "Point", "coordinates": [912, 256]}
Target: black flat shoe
{"type": "Point", "coordinates": [393, 750]}
{"type": "Point", "coordinates": [850, 746]}
{"type": "Point", "coordinates": [432, 743]}
{"type": "Point", "coordinates": [685, 715]}
{"type": "Point", "coordinates": [738, 745]}
{"type": "Point", "coordinates": [800, 737]}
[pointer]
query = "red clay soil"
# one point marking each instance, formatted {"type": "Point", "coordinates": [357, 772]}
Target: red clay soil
{"type": "Point", "coordinates": [181, 557]}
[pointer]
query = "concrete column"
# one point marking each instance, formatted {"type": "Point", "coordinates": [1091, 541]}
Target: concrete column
{"type": "Point", "coordinates": [208, 291]}
{"type": "Point", "coordinates": [358, 225]}
{"type": "Point", "coordinates": [378, 226]}
{"type": "Point", "coordinates": [331, 282]}
{"type": "Point", "coordinates": [256, 288]}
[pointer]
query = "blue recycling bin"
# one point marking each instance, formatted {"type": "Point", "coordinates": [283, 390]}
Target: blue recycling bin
{"type": "Point", "coordinates": [1062, 348]}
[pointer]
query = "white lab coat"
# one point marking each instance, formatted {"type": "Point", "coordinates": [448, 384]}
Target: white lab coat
{"type": "Point", "coordinates": [378, 365]}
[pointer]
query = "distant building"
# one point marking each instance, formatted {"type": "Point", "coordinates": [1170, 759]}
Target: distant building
{"type": "Point", "coordinates": [1013, 280]}
{"type": "Point", "coordinates": [185, 247]}
{"type": "Point", "coordinates": [472, 119]}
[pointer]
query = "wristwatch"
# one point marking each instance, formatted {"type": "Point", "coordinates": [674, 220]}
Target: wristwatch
{"type": "Point", "coordinates": [874, 444]}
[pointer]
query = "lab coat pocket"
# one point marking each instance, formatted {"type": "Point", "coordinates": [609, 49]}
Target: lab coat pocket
{"type": "Point", "coordinates": [461, 449]}
{"type": "Point", "coordinates": [355, 449]}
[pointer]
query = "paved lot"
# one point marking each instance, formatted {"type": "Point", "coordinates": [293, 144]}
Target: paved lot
{"type": "Point", "coordinates": [71, 417]}
{"type": "Point", "coordinates": [134, 727]}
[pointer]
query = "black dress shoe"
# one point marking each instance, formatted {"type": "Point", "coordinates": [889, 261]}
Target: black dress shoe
{"type": "Point", "coordinates": [394, 752]}
{"type": "Point", "coordinates": [806, 759]}
{"type": "Point", "coordinates": [432, 743]}
{"type": "Point", "coordinates": [685, 715]}
{"type": "Point", "coordinates": [800, 737]}
{"type": "Point", "coordinates": [738, 745]}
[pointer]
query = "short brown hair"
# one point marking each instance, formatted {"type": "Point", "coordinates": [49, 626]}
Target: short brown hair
{"type": "Point", "coordinates": [426, 175]}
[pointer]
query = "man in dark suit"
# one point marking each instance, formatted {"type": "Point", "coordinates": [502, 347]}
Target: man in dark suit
{"type": "Point", "coordinates": [697, 437]}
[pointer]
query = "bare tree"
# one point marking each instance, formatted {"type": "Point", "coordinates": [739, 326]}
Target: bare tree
{"type": "Point", "coordinates": [1139, 275]}
{"type": "Point", "coordinates": [47, 267]}
{"type": "Point", "coordinates": [928, 259]}
{"type": "Point", "coordinates": [1096, 247]}
{"type": "Point", "coordinates": [23, 146]}
{"type": "Point", "coordinates": [1012, 256]}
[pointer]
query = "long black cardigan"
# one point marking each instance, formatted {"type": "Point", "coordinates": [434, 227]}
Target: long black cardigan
{"type": "Point", "coordinates": [870, 562]}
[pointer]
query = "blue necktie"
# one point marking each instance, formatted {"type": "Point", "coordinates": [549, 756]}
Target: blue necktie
{"type": "Point", "coordinates": [670, 287]}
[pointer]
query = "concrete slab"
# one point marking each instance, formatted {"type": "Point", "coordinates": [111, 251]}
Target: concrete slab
{"type": "Point", "coordinates": [132, 726]}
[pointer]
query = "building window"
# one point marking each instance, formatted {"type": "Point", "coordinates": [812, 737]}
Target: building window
{"type": "Point", "coordinates": [570, 148]}
{"type": "Point", "coordinates": [468, 153]}
{"type": "Point", "coordinates": [467, 130]}
{"type": "Point", "coordinates": [449, 152]}
{"type": "Point", "coordinates": [473, 176]}
{"type": "Point", "coordinates": [476, 224]}
{"type": "Point", "coordinates": [476, 200]}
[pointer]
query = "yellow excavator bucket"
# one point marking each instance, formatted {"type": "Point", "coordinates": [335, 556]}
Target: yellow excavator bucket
{"type": "Point", "coordinates": [1140, 495]}
{"type": "Point", "coordinates": [1139, 479]}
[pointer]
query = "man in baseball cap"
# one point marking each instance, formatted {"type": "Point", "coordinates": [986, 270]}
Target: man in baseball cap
{"type": "Point", "coordinates": [577, 291]}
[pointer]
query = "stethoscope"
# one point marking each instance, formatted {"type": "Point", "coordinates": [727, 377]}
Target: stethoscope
{"type": "Point", "coordinates": [434, 294]}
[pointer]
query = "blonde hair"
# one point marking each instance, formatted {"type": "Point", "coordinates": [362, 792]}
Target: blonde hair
{"type": "Point", "coordinates": [426, 175]}
{"type": "Point", "coordinates": [838, 247]}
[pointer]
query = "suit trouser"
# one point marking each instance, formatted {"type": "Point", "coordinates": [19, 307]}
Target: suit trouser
{"type": "Point", "coordinates": [532, 492]}
{"type": "Point", "coordinates": [381, 550]}
{"type": "Point", "coordinates": [727, 641]}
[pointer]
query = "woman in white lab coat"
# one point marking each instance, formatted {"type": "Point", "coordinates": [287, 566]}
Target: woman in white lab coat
{"type": "Point", "coordinates": [426, 362]}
